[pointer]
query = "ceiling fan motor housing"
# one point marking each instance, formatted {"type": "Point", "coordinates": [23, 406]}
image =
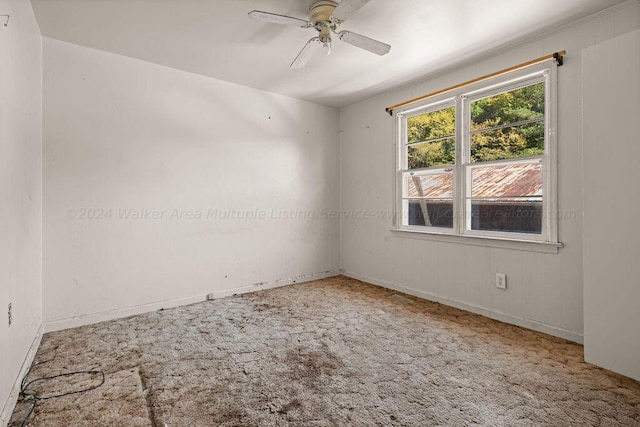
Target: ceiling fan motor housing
{"type": "Point", "coordinates": [321, 11]}
{"type": "Point", "coordinates": [320, 16]}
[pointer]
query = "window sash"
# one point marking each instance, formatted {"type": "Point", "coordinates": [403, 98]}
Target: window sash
{"type": "Point", "coordinates": [469, 199]}
{"type": "Point", "coordinates": [415, 112]}
{"type": "Point", "coordinates": [407, 197]}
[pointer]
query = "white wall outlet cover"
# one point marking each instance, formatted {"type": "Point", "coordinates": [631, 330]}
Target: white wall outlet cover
{"type": "Point", "coordinates": [501, 281]}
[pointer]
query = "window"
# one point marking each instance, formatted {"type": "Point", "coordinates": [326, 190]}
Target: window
{"type": "Point", "coordinates": [481, 162]}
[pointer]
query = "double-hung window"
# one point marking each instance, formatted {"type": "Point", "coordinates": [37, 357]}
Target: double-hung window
{"type": "Point", "coordinates": [480, 161]}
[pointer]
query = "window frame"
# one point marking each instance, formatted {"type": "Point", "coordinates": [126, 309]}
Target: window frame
{"type": "Point", "coordinates": [462, 98]}
{"type": "Point", "coordinates": [402, 169]}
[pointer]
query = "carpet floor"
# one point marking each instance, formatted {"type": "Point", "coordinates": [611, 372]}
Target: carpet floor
{"type": "Point", "coordinates": [335, 352]}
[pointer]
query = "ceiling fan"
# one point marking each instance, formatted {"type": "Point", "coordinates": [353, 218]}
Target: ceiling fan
{"type": "Point", "coordinates": [324, 17]}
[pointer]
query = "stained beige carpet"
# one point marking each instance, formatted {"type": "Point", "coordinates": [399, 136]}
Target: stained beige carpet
{"type": "Point", "coordinates": [337, 352]}
{"type": "Point", "coordinates": [119, 402]}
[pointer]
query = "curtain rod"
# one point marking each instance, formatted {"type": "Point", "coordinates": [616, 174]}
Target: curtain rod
{"type": "Point", "coordinates": [557, 57]}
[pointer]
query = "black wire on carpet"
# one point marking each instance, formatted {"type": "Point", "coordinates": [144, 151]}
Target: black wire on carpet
{"type": "Point", "coordinates": [30, 395]}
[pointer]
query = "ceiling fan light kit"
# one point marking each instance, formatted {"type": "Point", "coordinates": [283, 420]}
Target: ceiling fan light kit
{"type": "Point", "coordinates": [325, 16]}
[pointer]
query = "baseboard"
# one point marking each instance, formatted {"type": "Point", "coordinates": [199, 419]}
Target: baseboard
{"type": "Point", "coordinates": [103, 316]}
{"type": "Point", "coordinates": [273, 284]}
{"type": "Point", "coordinates": [7, 409]}
{"type": "Point", "coordinates": [88, 319]}
{"type": "Point", "coordinates": [503, 317]}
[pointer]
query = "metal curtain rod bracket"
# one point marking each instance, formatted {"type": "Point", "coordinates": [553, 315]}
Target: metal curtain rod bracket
{"type": "Point", "coordinates": [6, 23]}
{"type": "Point", "coordinates": [558, 59]}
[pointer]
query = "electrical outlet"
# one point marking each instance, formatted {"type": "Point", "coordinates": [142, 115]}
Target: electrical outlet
{"type": "Point", "coordinates": [501, 281]}
{"type": "Point", "coordinates": [10, 314]}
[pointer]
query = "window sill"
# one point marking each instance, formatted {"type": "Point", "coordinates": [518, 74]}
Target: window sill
{"type": "Point", "coordinates": [489, 242]}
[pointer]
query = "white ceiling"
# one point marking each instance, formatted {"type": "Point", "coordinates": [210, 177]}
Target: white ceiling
{"type": "Point", "coordinates": [216, 38]}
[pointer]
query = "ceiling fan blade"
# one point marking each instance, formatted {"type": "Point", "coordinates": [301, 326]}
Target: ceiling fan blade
{"type": "Point", "coordinates": [346, 8]}
{"type": "Point", "coordinates": [373, 46]}
{"type": "Point", "coordinates": [306, 53]}
{"type": "Point", "coordinates": [279, 19]}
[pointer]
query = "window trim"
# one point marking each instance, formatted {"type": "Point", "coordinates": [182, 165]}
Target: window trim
{"type": "Point", "coordinates": [548, 239]}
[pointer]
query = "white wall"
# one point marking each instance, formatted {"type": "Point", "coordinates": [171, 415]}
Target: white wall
{"type": "Point", "coordinates": [612, 204]}
{"type": "Point", "coordinates": [545, 290]}
{"type": "Point", "coordinates": [122, 134]}
{"type": "Point", "coordinates": [20, 192]}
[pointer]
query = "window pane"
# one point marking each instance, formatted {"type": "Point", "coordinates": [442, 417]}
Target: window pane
{"type": "Point", "coordinates": [508, 143]}
{"type": "Point", "coordinates": [507, 198]}
{"type": "Point", "coordinates": [518, 105]}
{"type": "Point", "coordinates": [432, 139]}
{"type": "Point", "coordinates": [516, 216]}
{"type": "Point", "coordinates": [429, 199]}
{"type": "Point", "coordinates": [427, 154]}
{"type": "Point", "coordinates": [509, 125]}
{"type": "Point", "coordinates": [431, 186]}
{"type": "Point", "coordinates": [510, 180]}
{"type": "Point", "coordinates": [432, 213]}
